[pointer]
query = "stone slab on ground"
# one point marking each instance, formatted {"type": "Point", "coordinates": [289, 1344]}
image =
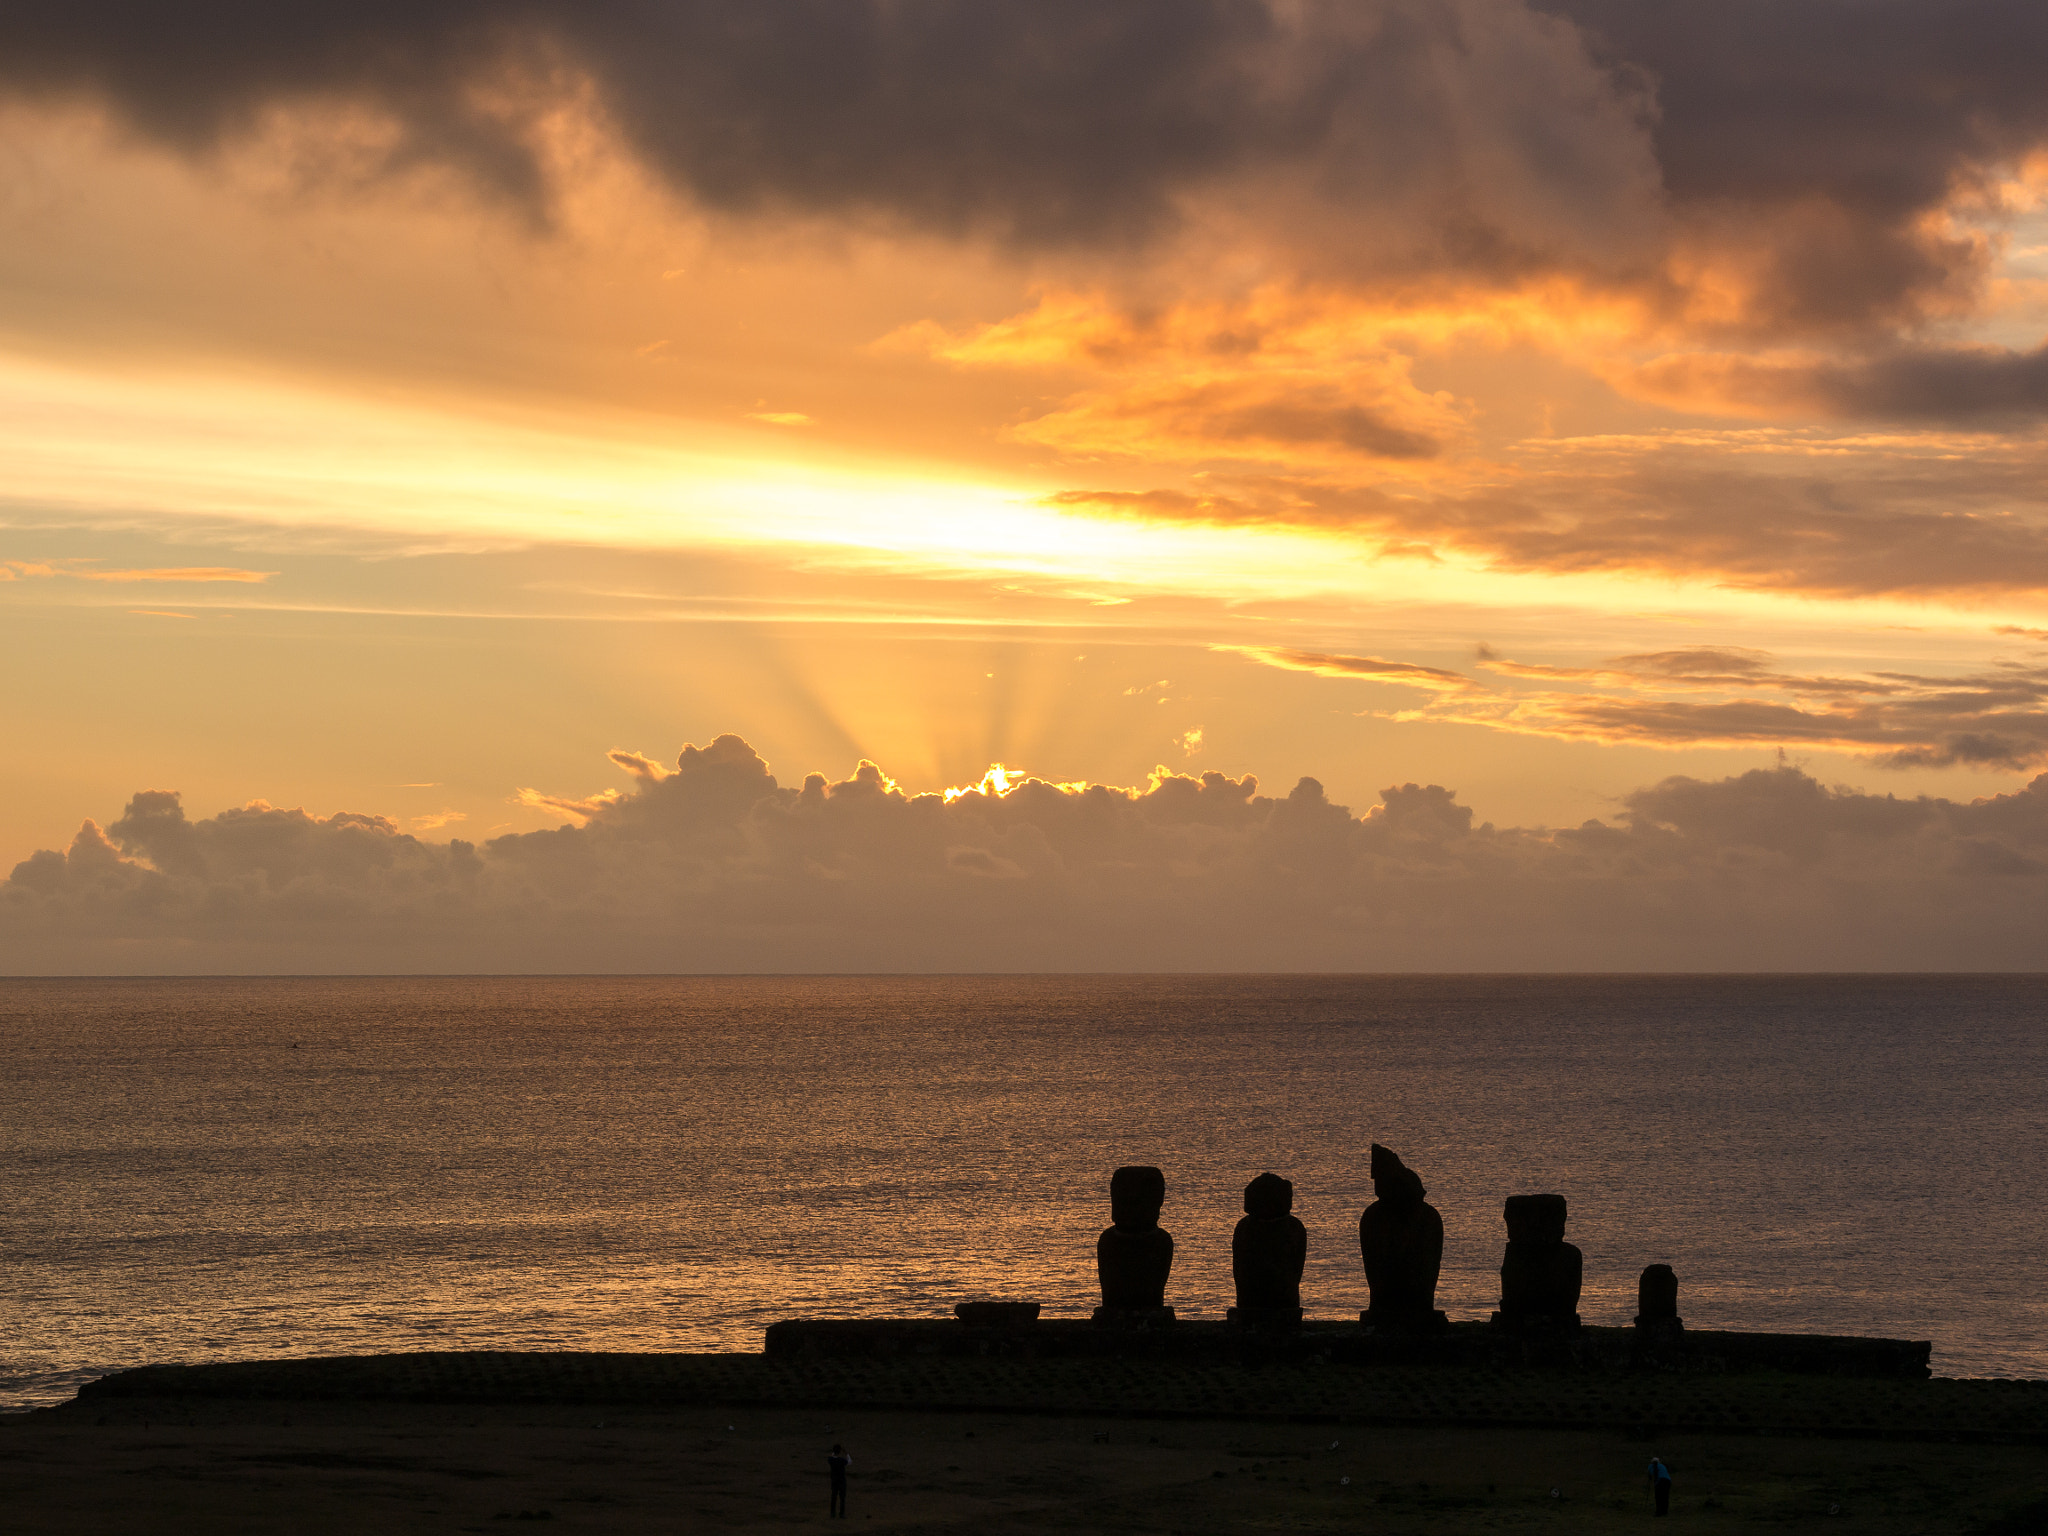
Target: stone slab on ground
{"type": "Point", "coordinates": [1473, 1344]}
{"type": "Point", "coordinates": [1986, 1412]}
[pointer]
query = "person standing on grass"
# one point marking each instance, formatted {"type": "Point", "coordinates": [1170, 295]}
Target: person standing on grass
{"type": "Point", "coordinates": [1660, 1485]}
{"type": "Point", "coordinates": [836, 1463]}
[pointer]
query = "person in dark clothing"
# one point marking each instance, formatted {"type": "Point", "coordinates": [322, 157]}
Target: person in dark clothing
{"type": "Point", "coordinates": [1660, 1485]}
{"type": "Point", "coordinates": [836, 1463]}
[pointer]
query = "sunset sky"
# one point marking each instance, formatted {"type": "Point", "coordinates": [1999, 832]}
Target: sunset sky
{"type": "Point", "coordinates": [443, 413]}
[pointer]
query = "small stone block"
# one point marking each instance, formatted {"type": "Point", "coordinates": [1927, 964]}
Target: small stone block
{"type": "Point", "coordinates": [1263, 1319]}
{"type": "Point", "coordinates": [1539, 1324]}
{"type": "Point", "coordinates": [997, 1314]}
{"type": "Point", "coordinates": [1134, 1317]}
{"type": "Point", "coordinates": [1403, 1322]}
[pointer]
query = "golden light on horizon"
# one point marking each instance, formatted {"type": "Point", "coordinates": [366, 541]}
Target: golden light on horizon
{"type": "Point", "coordinates": [1537, 439]}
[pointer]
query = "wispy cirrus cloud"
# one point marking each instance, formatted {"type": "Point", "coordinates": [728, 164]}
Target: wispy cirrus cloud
{"type": "Point", "coordinates": [566, 805]}
{"type": "Point", "coordinates": [1727, 696]}
{"type": "Point", "coordinates": [1368, 668]}
{"type": "Point", "coordinates": [1951, 386]}
{"type": "Point", "coordinates": [86, 570]}
{"type": "Point", "coordinates": [178, 573]}
{"type": "Point", "coordinates": [1922, 515]}
{"type": "Point", "coordinates": [638, 764]}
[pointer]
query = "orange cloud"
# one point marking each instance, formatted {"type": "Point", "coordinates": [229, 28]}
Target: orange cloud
{"type": "Point", "coordinates": [1286, 376]}
{"type": "Point", "coordinates": [638, 764]}
{"type": "Point", "coordinates": [1920, 514]}
{"type": "Point", "coordinates": [1186, 507]}
{"type": "Point", "coordinates": [1273, 416]}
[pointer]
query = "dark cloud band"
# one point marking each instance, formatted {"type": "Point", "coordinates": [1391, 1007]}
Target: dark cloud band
{"type": "Point", "coordinates": [1073, 120]}
{"type": "Point", "coordinates": [716, 866]}
{"type": "Point", "coordinates": [1053, 120]}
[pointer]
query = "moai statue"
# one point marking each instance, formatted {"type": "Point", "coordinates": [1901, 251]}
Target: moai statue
{"type": "Point", "coordinates": [1267, 1253]}
{"type": "Point", "coordinates": [1541, 1274]}
{"type": "Point", "coordinates": [1402, 1241]}
{"type": "Point", "coordinates": [1657, 1300]}
{"type": "Point", "coordinates": [1134, 1257]}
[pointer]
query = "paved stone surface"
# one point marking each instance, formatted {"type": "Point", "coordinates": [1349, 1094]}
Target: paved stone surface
{"type": "Point", "coordinates": [1975, 1411]}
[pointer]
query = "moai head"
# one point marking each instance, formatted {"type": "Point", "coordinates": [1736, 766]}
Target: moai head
{"type": "Point", "coordinates": [1536, 1218]}
{"type": "Point", "coordinates": [1135, 1196]}
{"type": "Point", "coordinates": [1392, 1180]}
{"type": "Point", "coordinates": [1268, 1196]}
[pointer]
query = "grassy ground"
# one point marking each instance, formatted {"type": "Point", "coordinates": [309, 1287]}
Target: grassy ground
{"type": "Point", "coordinates": [147, 1465]}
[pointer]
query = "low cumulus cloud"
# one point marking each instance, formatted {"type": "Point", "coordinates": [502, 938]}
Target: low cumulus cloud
{"type": "Point", "coordinates": [718, 866]}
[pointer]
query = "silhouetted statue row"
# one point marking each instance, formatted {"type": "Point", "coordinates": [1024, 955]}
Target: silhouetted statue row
{"type": "Point", "coordinates": [1400, 1238]}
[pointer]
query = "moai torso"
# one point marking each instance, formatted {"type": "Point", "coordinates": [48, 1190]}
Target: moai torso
{"type": "Point", "coordinates": [1657, 1298]}
{"type": "Point", "coordinates": [1269, 1247]}
{"type": "Point", "coordinates": [1541, 1274]}
{"type": "Point", "coordinates": [1135, 1255]}
{"type": "Point", "coordinates": [1401, 1239]}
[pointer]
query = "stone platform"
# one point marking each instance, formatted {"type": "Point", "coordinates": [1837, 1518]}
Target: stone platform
{"type": "Point", "coordinates": [1754, 1402]}
{"type": "Point", "coordinates": [1477, 1346]}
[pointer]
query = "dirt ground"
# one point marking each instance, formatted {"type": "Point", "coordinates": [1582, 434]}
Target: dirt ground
{"type": "Point", "coordinates": [141, 1466]}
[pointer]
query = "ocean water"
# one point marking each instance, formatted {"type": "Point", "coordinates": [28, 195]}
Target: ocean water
{"type": "Point", "coordinates": [210, 1169]}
